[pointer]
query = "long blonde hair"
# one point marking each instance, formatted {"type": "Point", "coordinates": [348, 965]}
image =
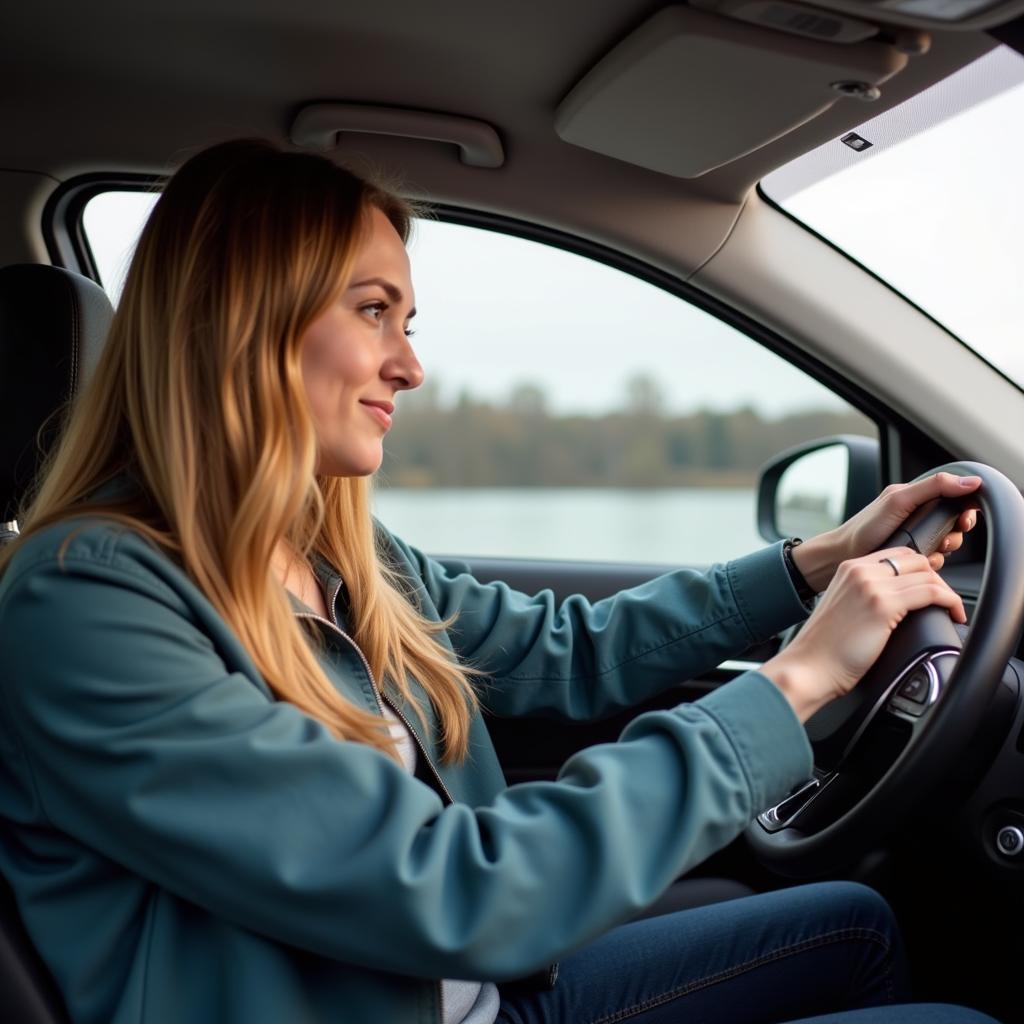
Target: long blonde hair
{"type": "Point", "coordinates": [199, 397]}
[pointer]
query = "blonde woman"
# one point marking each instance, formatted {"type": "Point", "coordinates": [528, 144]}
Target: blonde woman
{"type": "Point", "coordinates": [247, 775]}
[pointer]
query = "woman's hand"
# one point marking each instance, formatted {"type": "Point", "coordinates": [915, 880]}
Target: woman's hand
{"type": "Point", "coordinates": [818, 558]}
{"type": "Point", "coordinates": [845, 634]}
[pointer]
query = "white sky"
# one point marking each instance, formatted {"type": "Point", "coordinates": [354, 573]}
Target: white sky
{"type": "Point", "coordinates": [494, 310]}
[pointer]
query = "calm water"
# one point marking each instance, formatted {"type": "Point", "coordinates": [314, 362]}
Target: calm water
{"type": "Point", "coordinates": [695, 526]}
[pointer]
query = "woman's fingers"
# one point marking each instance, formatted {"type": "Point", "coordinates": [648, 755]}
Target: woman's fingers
{"type": "Point", "coordinates": [906, 578]}
{"type": "Point", "coordinates": [946, 485]}
{"type": "Point", "coordinates": [939, 485]}
{"type": "Point", "coordinates": [954, 540]}
{"type": "Point", "coordinates": [898, 561]}
{"type": "Point", "coordinates": [967, 520]}
{"type": "Point", "coordinates": [921, 589]}
{"type": "Point", "coordinates": [907, 497]}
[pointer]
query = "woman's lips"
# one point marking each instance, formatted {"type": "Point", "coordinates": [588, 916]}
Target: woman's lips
{"type": "Point", "coordinates": [380, 411]}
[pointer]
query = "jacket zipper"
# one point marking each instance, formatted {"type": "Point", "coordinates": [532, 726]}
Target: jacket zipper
{"type": "Point", "coordinates": [382, 698]}
{"type": "Point", "coordinates": [332, 623]}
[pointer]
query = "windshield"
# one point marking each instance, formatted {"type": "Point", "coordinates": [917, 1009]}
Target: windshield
{"type": "Point", "coordinates": [930, 197]}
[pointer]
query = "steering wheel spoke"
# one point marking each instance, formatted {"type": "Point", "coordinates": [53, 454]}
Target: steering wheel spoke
{"type": "Point", "coordinates": [787, 814]}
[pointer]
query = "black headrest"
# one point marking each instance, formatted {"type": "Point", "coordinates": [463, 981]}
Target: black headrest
{"type": "Point", "coordinates": [53, 324]}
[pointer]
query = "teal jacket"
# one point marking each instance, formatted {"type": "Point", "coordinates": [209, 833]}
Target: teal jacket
{"type": "Point", "coordinates": [184, 848]}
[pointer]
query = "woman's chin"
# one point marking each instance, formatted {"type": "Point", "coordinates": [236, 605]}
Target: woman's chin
{"type": "Point", "coordinates": [364, 464]}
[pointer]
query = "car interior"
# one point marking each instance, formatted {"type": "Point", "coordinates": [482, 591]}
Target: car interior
{"type": "Point", "coordinates": [636, 135]}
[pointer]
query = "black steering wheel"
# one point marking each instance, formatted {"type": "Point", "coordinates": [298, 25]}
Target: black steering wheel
{"type": "Point", "coordinates": [913, 715]}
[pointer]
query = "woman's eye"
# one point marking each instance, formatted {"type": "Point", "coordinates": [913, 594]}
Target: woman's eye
{"type": "Point", "coordinates": [375, 309]}
{"type": "Point", "coordinates": [409, 332]}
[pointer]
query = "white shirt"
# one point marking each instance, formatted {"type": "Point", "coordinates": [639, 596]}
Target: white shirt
{"type": "Point", "coordinates": [462, 1002]}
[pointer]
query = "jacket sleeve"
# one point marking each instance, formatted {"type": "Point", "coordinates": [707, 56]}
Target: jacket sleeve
{"type": "Point", "coordinates": [136, 740]}
{"type": "Point", "coordinates": [583, 660]}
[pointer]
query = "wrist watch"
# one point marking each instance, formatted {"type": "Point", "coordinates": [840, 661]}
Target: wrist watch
{"type": "Point", "coordinates": [803, 589]}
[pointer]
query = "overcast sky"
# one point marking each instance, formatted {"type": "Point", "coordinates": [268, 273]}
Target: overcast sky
{"type": "Point", "coordinates": [496, 309]}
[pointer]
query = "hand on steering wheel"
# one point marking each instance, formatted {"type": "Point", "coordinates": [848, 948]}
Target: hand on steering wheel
{"type": "Point", "coordinates": [867, 599]}
{"type": "Point", "coordinates": [871, 528]}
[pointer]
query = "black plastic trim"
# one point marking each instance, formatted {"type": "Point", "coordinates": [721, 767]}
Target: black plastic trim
{"type": "Point", "coordinates": [1010, 34]}
{"type": "Point", "coordinates": [66, 241]}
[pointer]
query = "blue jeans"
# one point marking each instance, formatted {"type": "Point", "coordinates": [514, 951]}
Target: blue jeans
{"type": "Point", "coordinates": [826, 949]}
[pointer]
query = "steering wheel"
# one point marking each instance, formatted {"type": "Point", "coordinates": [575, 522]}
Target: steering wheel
{"type": "Point", "coordinates": [877, 749]}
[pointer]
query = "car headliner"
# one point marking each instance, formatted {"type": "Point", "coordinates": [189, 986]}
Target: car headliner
{"type": "Point", "coordinates": [133, 86]}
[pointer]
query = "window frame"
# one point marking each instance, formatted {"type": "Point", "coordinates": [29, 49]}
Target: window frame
{"type": "Point", "coordinates": [63, 226]}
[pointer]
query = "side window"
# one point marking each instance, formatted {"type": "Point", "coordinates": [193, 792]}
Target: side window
{"type": "Point", "coordinates": [573, 411]}
{"type": "Point", "coordinates": [112, 222]}
{"type": "Point", "coordinates": [569, 410]}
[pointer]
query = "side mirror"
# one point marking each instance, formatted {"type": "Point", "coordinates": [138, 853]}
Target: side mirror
{"type": "Point", "coordinates": [816, 486]}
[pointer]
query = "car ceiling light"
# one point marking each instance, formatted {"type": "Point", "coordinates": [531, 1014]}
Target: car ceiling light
{"type": "Point", "coordinates": [858, 90]}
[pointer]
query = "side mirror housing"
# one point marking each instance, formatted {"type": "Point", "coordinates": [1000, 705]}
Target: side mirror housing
{"type": "Point", "coordinates": [816, 486]}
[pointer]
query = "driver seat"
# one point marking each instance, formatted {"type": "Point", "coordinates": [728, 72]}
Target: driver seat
{"type": "Point", "coordinates": [52, 328]}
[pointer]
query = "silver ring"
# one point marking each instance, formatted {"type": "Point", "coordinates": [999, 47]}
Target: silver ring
{"type": "Point", "coordinates": [895, 568]}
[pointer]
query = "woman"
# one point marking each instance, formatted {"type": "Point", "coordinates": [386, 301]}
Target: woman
{"type": "Point", "coordinates": [243, 723]}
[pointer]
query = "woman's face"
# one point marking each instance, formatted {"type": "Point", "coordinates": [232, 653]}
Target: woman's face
{"type": "Point", "coordinates": [356, 356]}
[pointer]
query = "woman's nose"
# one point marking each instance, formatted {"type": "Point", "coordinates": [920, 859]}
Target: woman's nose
{"type": "Point", "coordinates": [402, 367]}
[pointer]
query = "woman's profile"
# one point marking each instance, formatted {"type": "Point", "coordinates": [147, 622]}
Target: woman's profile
{"type": "Point", "coordinates": [249, 773]}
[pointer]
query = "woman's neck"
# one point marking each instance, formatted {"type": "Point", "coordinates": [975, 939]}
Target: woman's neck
{"type": "Point", "coordinates": [297, 576]}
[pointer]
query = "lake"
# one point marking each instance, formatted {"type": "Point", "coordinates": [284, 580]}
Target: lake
{"type": "Point", "coordinates": [693, 526]}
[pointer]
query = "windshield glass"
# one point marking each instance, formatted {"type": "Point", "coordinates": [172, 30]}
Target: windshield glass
{"type": "Point", "coordinates": [930, 197]}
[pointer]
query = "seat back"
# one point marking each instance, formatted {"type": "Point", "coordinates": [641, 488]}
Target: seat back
{"type": "Point", "coordinates": [52, 328]}
{"type": "Point", "coordinates": [53, 324]}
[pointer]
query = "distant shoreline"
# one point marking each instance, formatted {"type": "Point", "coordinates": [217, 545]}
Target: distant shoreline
{"type": "Point", "coordinates": [710, 479]}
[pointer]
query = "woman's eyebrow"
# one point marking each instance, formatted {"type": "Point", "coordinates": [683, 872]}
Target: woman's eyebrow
{"type": "Point", "coordinates": [393, 293]}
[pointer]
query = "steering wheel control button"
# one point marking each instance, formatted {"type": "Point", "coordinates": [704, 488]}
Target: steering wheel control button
{"type": "Point", "coordinates": [916, 687]}
{"type": "Point", "coordinates": [917, 691]}
{"type": "Point", "coordinates": [1010, 841]}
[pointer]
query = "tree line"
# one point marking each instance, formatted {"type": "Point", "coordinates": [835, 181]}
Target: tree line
{"type": "Point", "coordinates": [472, 442]}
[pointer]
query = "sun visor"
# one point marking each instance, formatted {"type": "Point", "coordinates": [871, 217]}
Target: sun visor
{"type": "Point", "coordinates": [687, 92]}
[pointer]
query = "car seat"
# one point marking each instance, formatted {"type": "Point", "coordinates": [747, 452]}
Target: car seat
{"type": "Point", "coordinates": [53, 324]}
